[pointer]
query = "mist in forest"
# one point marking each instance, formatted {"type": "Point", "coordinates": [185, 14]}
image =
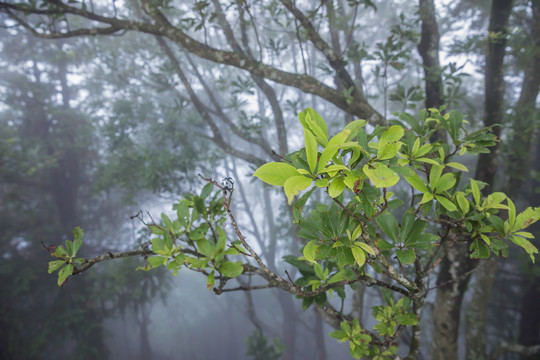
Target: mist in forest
{"type": "Point", "coordinates": [113, 113]}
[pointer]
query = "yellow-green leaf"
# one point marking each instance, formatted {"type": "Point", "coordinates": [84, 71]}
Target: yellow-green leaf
{"type": "Point", "coordinates": [448, 205]}
{"type": "Point", "coordinates": [458, 166]}
{"type": "Point", "coordinates": [389, 143]}
{"type": "Point", "coordinates": [434, 175]}
{"type": "Point", "coordinates": [365, 247]}
{"type": "Point", "coordinates": [476, 192]}
{"type": "Point", "coordinates": [275, 173]}
{"type": "Point", "coordinates": [446, 182]}
{"type": "Point", "coordinates": [463, 203]}
{"type": "Point", "coordinates": [336, 187]}
{"type": "Point", "coordinates": [332, 147]}
{"type": "Point", "coordinates": [310, 250]}
{"type": "Point", "coordinates": [417, 183]}
{"type": "Point", "coordinates": [311, 150]}
{"type": "Point", "coordinates": [381, 175]}
{"type": "Point", "coordinates": [294, 185]}
{"type": "Point", "coordinates": [359, 255]}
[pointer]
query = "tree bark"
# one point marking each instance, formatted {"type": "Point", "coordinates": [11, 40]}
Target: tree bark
{"type": "Point", "coordinates": [429, 51]}
{"type": "Point", "coordinates": [452, 282]}
{"type": "Point", "coordinates": [494, 86]}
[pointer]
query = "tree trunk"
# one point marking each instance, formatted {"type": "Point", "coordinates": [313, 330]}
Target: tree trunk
{"type": "Point", "coordinates": [452, 282]}
{"type": "Point", "coordinates": [429, 51]}
{"type": "Point", "coordinates": [519, 158]}
{"type": "Point", "coordinates": [449, 298]}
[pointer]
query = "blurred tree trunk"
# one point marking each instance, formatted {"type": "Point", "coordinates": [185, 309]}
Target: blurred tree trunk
{"type": "Point", "coordinates": [529, 326]}
{"type": "Point", "coordinates": [454, 274]}
{"type": "Point", "coordinates": [523, 119]}
{"type": "Point", "coordinates": [429, 51]}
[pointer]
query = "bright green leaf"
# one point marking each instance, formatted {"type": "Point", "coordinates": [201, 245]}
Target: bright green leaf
{"type": "Point", "coordinates": [476, 192]}
{"type": "Point", "coordinates": [416, 182]}
{"type": "Point", "coordinates": [407, 319]}
{"type": "Point", "coordinates": [359, 255]}
{"type": "Point", "coordinates": [458, 166]}
{"type": "Point", "coordinates": [310, 250]}
{"type": "Point", "coordinates": [365, 247]}
{"type": "Point", "coordinates": [389, 143]}
{"type": "Point", "coordinates": [275, 173]}
{"type": "Point", "coordinates": [294, 185]}
{"type": "Point", "coordinates": [381, 175]}
{"type": "Point", "coordinates": [231, 269]}
{"type": "Point", "coordinates": [434, 175]}
{"type": "Point", "coordinates": [446, 182]}
{"type": "Point", "coordinates": [448, 205]}
{"type": "Point", "coordinates": [311, 150]}
{"type": "Point", "coordinates": [64, 273]}
{"type": "Point", "coordinates": [336, 187]}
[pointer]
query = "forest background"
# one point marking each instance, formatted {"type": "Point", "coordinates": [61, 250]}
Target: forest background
{"type": "Point", "coordinates": [108, 108]}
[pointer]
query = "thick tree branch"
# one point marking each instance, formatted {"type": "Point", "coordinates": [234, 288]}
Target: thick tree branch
{"type": "Point", "coordinates": [162, 27]}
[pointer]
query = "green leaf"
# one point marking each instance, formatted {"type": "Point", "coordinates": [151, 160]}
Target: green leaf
{"type": "Point", "coordinates": [475, 192]}
{"type": "Point", "coordinates": [207, 190]}
{"type": "Point", "coordinates": [434, 175]}
{"type": "Point", "coordinates": [275, 173]}
{"type": "Point", "coordinates": [406, 256]}
{"type": "Point", "coordinates": [294, 185]}
{"type": "Point", "coordinates": [210, 281]}
{"type": "Point", "coordinates": [446, 182]}
{"type": "Point", "coordinates": [60, 252]}
{"type": "Point", "coordinates": [463, 203]}
{"type": "Point", "coordinates": [426, 197]}
{"type": "Point", "coordinates": [311, 120]}
{"type": "Point", "coordinates": [311, 150]}
{"type": "Point", "coordinates": [448, 205]}
{"type": "Point", "coordinates": [55, 265]}
{"type": "Point", "coordinates": [354, 126]}
{"type": "Point", "coordinates": [336, 187]}
{"type": "Point", "coordinates": [332, 148]}
{"type": "Point", "coordinates": [69, 247]}
{"type": "Point", "coordinates": [231, 269]}
{"type": "Point", "coordinates": [511, 213]}
{"type": "Point", "coordinates": [310, 250]}
{"type": "Point", "coordinates": [407, 319]}
{"type": "Point", "coordinates": [78, 235]}
{"type": "Point", "coordinates": [526, 245]}
{"type": "Point", "coordinates": [322, 183]}
{"type": "Point", "coordinates": [205, 247]}
{"type": "Point", "coordinates": [64, 273]}
{"type": "Point", "coordinates": [168, 223]}
{"type": "Point", "coordinates": [365, 247]}
{"type": "Point", "coordinates": [416, 182]}
{"type": "Point", "coordinates": [381, 175]}
{"type": "Point", "coordinates": [389, 225]}
{"type": "Point", "coordinates": [222, 239]}
{"type": "Point", "coordinates": [458, 166]}
{"type": "Point", "coordinates": [527, 217]}
{"type": "Point", "coordinates": [340, 275]}
{"type": "Point", "coordinates": [319, 271]}
{"type": "Point", "coordinates": [479, 250]}
{"type": "Point", "coordinates": [429, 161]}
{"type": "Point", "coordinates": [299, 205]}
{"type": "Point", "coordinates": [421, 241]}
{"type": "Point", "coordinates": [389, 143]}
{"type": "Point", "coordinates": [155, 261]}
{"type": "Point", "coordinates": [359, 255]}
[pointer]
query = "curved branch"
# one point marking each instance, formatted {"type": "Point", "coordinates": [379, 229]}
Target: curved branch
{"type": "Point", "coordinates": [162, 27]}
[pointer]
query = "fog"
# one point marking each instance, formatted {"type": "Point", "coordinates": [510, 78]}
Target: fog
{"type": "Point", "coordinates": [111, 115]}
